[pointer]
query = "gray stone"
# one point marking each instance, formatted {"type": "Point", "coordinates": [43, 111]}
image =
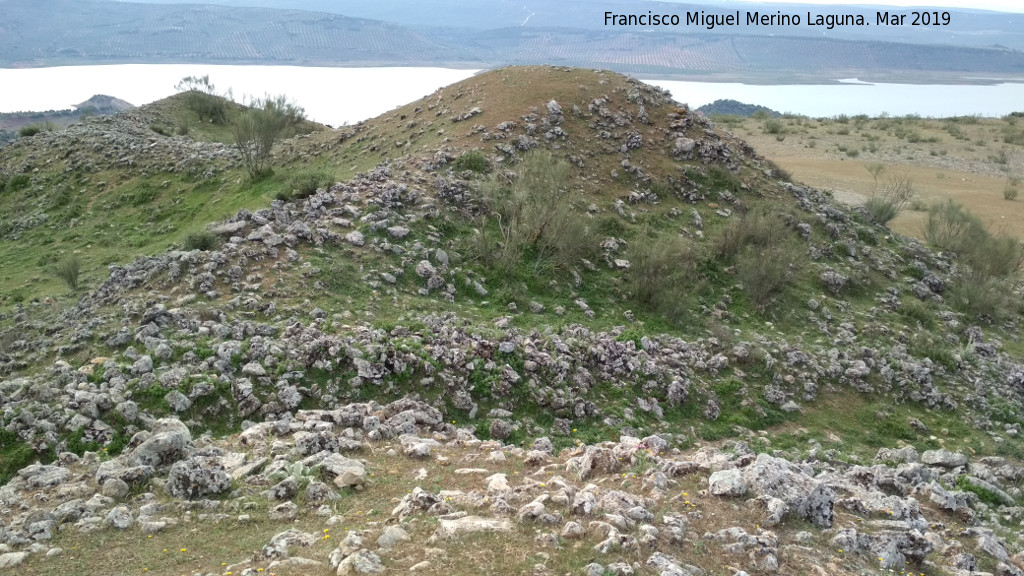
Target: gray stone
{"type": "Point", "coordinates": [362, 562]}
{"type": "Point", "coordinates": [168, 444]}
{"type": "Point", "coordinates": [143, 365]}
{"type": "Point", "coordinates": [355, 238]}
{"type": "Point", "coordinates": [803, 494]}
{"type": "Point", "coordinates": [424, 269]}
{"type": "Point", "coordinates": [197, 477]}
{"type": "Point", "coordinates": [279, 544]}
{"type": "Point", "coordinates": [392, 537]}
{"type": "Point", "coordinates": [254, 369]}
{"type": "Point", "coordinates": [345, 471]}
{"type": "Point", "coordinates": [455, 529]}
{"type": "Point", "coordinates": [12, 559]}
{"type": "Point", "coordinates": [944, 458]}
{"type": "Point", "coordinates": [177, 401]}
{"type": "Point", "coordinates": [115, 488]}
{"type": "Point", "coordinates": [727, 483]}
{"type": "Point", "coordinates": [120, 517]}
{"type": "Point", "coordinates": [284, 511]}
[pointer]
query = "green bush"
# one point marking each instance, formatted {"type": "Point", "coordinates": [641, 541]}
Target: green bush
{"type": "Point", "coordinates": [984, 281]}
{"type": "Point", "coordinates": [765, 271]}
{"type": "Point", "coordinates": [890, 201]}
{"type": "Point", "coordinates": [661, 269]}
{"type": "Point", "coordinates": [951, 227]}
{"type": "Point", "coordinates": [473, 160]}
{"type": "Point", "coordinates": [980, 295]}
{"type": "Point", "coordinates": [68, 270]}
{"type": "Point", "coordinates": [260, 126]}
{"type": "Point", "coordinates": [305, 184]}
{"type": "Point", "coordinates": [761, 227]}
{"type": "Point", "coordinates": [984, 494]}
{"type": "Point", "coordinates": [33, 129]}
{"type": "Point", "coordinates": [201, 97]}
{"type": "Point", "coordinates": [14, 455]}
{"type": "Point", "coordinates": [774, 126]}
{"type": "Point", "coordinates": [532, 217]}
{"type": "Point", "coordinates": [766, 253]}
{"type": "Point", "coordinates": [18, 182]}
{"type": "Point", "coordinates": [778, 172]}
{"type": "Point", "coordinates": [1010, 192]}
{"type": "Point", "coordinates": [201, 241]}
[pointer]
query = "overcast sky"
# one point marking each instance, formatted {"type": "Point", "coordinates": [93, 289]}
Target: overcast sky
{"type": "Point", "coordinates": [999, 5]}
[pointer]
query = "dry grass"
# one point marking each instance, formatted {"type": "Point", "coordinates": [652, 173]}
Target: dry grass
{"type": "Point", "coordinates": [971, 170]}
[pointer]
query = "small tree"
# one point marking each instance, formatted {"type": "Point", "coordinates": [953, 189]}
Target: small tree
{"type": "Point", "coordinates": [257, 129]}
{"type": "Point", "coordinates": [201, 97]}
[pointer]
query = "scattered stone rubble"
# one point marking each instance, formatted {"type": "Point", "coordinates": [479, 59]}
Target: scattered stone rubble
{"type": "Point", "coordinates": [635, 500]}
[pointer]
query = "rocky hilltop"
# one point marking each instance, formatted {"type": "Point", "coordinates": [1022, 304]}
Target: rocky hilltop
{"type": "Point", "coordinates": [411, 368]}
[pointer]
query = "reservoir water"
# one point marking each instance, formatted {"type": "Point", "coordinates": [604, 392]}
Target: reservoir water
{"type": "Point", "coordinates": [346, 95]}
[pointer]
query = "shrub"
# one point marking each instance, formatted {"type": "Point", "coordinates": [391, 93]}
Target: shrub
{"type": "Point", "coordinates": [67, 270]}
{"type": "Point", "coordinates": [201, 241]}
{"type": "Point", "coordinates": [760, 227]}
{"type": "Point", "coordinates": [951, 227]}
{"type": "Point", "coordinates": [778, 172]}
{"type": "Point", "coordinates": [534, 217]}
{"type": "Point", "coordinates": [473, 160]}
{"type": "Point", "coordinates": [1010, 192]}
{"type": "Point", "coordinates": [890, 201]}
{"type": "Point", "coordinates": [660, 269]}
{"type": "Point", "coordinates": [159, 129]}
{"type": "Point", "coordinates": [989, 264]}
{"type": "Point", "coordinates": [260, 126]}
{"type": "Point", "coordinates": [201, 97]}
{"type": "Point", "coordinates": [774, 126]}
{"type": "Point", "coordinates": [305, 184]}
{"type": "Point", "coordinates": [976, 294]}
{"type": "Point", "coordinates": [33, 129]}
{"type": "Point", "coordinates": [766, 252]}
{"type": "Point", "coordinates": [765, 271]}
{"type": "Point", "coordinates": [18, 182]}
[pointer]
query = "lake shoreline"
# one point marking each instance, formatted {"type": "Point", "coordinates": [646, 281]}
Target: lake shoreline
{"type": "Point", "coordinates": [338, 96]}
{"type": "Point", "coordinates": [774, 78]}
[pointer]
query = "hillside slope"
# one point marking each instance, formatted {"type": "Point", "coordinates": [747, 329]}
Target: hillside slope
{"type": "Point", "coordinates": [554, 321]}
{"type": "Point", "coordinates": [62, 32]}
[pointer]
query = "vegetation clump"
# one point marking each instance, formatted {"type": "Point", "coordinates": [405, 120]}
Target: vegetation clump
{"type": "Point", "coordinates": [531, 218]}
{"type": "Point", "coordinates": [304, 184]}
{"type": "Point", "coordinates": [765, 252]}
{"type": "Point", "coordinates": [260, 126]}
{"type": "Point", "coordinates": [989, 264]}
{"type": "Point", "coordinates": [662, 268]}
{"type": "Point", "coordinates": [201, 97]}
{"type": "Point", "coordinates": [68, 271]}
{"type": "Point", "coordinates": [888, 202]}
{"type": "Point", "coordinates": [473, 161]}
{"type": "Point", "coordinates": [201, 241]}
{"type": "Point", "coordinates": [33, 129]}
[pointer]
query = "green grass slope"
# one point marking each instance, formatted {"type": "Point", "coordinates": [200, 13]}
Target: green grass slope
{"type": "Point", "coordinates": [572, 204]}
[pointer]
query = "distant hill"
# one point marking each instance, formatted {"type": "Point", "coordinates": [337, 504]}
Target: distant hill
{"type": "Point", "coordinates": [98, 105]}
{"type": "Point", "coordinates": [735, 108]}
{"type": "Point", "coordinates": [977, 28]}
{"type": "Point", "coordinates": [65, 32]}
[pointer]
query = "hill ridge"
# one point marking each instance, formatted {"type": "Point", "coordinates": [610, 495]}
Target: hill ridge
{"type": "Point", "coordinates": [366, 328]}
